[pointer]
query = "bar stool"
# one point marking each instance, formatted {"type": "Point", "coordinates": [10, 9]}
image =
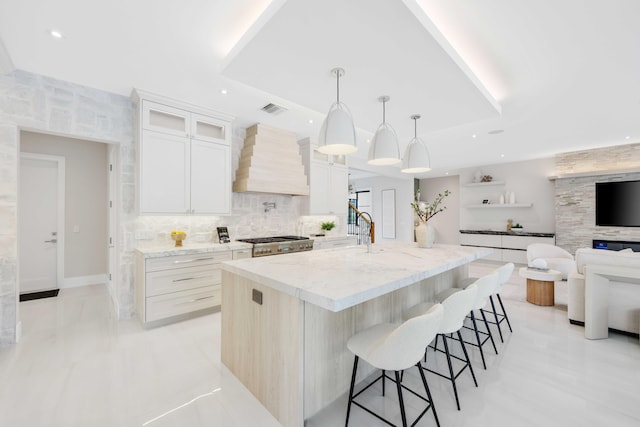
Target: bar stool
{"type": "Point", "coordinates": [456, 308]}
{"type": "Point", "coordinates": [392, 347]}
{"type": "Point", "coordinates": [486, 286]}
{"type": "Point", "coordinates": [504, 274]}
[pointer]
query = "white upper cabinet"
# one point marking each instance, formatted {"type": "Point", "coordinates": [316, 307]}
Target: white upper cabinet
{"type": "Point", "coordinates": [184, 158]}
{"type": "Point", "coordinates": [164, 177]}
{"type": "Point", "coordinates": [328, 179]}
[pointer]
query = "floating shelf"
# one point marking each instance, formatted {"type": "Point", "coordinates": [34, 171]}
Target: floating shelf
{"type": "Point", "coordinates": [484, 184]}
{"type": "Point", "coordinates": [499, 206]}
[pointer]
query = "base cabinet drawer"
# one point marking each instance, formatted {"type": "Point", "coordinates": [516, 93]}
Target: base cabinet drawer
{"type": "Point", "coordinates": [182, 279]}
{"type": "Point", "coordinates": [173, 286]}
{"type": "Point", "coordinates": [176, 303]}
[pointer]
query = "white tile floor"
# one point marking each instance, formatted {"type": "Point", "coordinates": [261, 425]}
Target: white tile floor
{"type": "Point", "coordinates": [77, 366]}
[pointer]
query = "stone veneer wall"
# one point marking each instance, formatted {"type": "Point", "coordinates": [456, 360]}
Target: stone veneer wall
{"type": "Point", "coordinates": [575, 196]}
{"type": "Point", "coordinates": [41, 104]}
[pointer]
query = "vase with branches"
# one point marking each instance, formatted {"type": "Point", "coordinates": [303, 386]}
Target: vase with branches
{"type": "Point", "coordinates": [425, 234]}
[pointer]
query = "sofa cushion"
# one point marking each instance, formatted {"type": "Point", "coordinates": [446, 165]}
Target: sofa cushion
{"type": "Point", "coordinates": [563, 265]}
{"type": "Point", "coordinates": [585, 256]}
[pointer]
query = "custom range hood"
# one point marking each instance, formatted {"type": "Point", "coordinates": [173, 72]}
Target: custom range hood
{"type": "Point", "coordinates": [270, 163]}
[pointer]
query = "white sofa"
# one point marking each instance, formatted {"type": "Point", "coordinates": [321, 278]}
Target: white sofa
{"type": "Point", "coordinates": [624, 298]}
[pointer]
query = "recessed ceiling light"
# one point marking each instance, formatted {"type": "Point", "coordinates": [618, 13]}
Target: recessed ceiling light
{"type": "Point", "coordinates": [368, 141]}
{"type": "Point", "coordinates": [627, 137]}
{"type": "Point", "coordinates": [55, 34]}
{"type": "Point", "coordinates": [502, 155]}
{"type": "Point", "coordinates": [310, 121]}
{"type": "Point", "coordinates": [496, 131]}
{"type": "Point", "coordinates": [474, 135]}
{"type": "Point", "coordinates": [446, 173]}
{"type": "Point", "coordinates": [223, 91]}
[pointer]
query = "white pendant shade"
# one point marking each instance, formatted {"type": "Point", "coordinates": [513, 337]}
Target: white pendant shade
{"type": "Point", "coordinates": [338, 134]}
{"type": "Point", "coordinates": [384, 145]}
{"type": "Point", "coordinates": [416, 156]}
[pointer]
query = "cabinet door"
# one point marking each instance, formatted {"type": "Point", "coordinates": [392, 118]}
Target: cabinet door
{"type": "Point", "coordinates": [319, 188]}
{"type": "Point", "coordinates": [165, 119]}
{"type": "Point", "coordinates": [210, 178]}
{"type": "Point", "coordinates": [338, 190]}
{"type": "Point", "coordinates": [164, 173]}
{"type": "Point", "coordinates": [205, 128]}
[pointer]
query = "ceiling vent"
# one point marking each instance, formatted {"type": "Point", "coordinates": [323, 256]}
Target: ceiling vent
{"type": "Point", "coordinates": [274, 109]}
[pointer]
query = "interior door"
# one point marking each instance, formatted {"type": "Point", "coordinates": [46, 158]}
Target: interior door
{"type": "Point", "coordinates": [38, 199]}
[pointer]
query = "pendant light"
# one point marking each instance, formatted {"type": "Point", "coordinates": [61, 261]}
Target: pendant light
{"type": "Point", "coordinates": [416, 156]}
{"type": "Point", "coordinates": [384, 145]}
{"type": "Point", "coordinates": [338, 135]}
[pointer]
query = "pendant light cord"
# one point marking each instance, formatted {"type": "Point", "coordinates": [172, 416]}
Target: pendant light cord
{"type": "Point", "coordinates": [384, 112]}
{"type": "Point", "coordinates": [338, 86]}
{"type": "Point", "coordinates": [415, 128]}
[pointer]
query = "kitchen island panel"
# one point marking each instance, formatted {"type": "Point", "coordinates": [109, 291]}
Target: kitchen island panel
{"type": "Point", "coordinates": [263, 345]}
{"type": "Point", "coordinates": [328, 362]}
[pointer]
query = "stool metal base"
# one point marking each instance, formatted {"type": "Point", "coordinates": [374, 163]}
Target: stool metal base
{"type": "Point", "coordinates": [398, 381]}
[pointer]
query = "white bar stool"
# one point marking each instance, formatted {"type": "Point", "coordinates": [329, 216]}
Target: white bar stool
{"type": "Point", "coordinates": [392, 347]}
{"type": "Point", "coordinates": [486, 286]}
{"type": "Point", "coordinates": [456, 308]}
{"type": "Point", "coordinates": [504, 274]}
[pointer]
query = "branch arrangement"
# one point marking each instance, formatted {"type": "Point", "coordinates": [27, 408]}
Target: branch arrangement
{"type": "Point", "coordinates": [427, 211]}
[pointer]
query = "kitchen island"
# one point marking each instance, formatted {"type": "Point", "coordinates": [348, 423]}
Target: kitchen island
{"type": "Point", "coordinates": [286, 319]}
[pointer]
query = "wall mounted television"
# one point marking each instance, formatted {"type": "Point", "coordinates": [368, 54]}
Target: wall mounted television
{"type": "Point", "coordinates": [618, 204]}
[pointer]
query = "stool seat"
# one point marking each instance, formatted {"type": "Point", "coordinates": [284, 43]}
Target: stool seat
{"type": "Point", "coordinates": [396, 347]}
{"type": "Point", "coordinates": [456, 308]}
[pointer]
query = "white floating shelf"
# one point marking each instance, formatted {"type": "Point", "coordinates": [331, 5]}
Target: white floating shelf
{"type": "Point", "coordinates": [484, 184]}
{"type": "Point", "coordinates": [499, 206]}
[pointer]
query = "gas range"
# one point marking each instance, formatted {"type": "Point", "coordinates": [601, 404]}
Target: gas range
{"type": "Point", "coordinates": [264, 246]}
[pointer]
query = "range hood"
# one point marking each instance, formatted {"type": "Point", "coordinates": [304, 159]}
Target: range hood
{"type": "Point", "coordinates": [270, 163]}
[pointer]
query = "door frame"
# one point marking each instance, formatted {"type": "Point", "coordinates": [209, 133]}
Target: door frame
{"type": "Point", "coordinates": [60, 211]}
{"type": "Point", "coordinates": [113, 192]}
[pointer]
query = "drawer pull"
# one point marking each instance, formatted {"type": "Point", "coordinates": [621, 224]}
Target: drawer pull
{"type": "Point", "coordinates": [191, 260]}
{"type": "Point", "coordinates": [190, 278]}
{"type": "Point", "coordinates": [196, 300]}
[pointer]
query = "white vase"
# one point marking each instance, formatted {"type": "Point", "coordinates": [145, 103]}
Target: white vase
{"type": "Point", "coordinates": [425, 235]}
{"type": "Point", "coordinates": [512, 198]}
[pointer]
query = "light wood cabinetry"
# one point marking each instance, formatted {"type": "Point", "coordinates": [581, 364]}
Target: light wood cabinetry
{"type": "Point", "coordinates": [328, 178]}
{"type": "Point", "coordinates": [171, 287]}
{"type": "Point", "coordinates": [184, 158]}
{"type": "Point", "coordinates": [508, 248]}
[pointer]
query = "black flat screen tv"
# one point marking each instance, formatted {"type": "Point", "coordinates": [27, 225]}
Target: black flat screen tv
{"type": "Point", "coordinates": [618, 204]}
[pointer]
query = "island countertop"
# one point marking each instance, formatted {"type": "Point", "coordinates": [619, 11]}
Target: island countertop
{"type": "Point", "coordinates": [340, 278]}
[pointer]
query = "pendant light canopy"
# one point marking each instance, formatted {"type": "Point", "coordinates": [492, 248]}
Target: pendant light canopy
{"type": "Point", "coordinates": [384, 145]}
{"type": "Point", "coordinates": [416, 156]}
{"type": "Point", "coordinates": [337, 135]}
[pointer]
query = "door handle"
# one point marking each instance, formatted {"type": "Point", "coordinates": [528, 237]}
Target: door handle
{"type": "Point", "coordinates": [51, 241]}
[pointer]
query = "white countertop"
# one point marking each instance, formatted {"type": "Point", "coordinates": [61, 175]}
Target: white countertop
{"type": "Point", "coordinates": [340, 278]}
{"type": "Point", "coordinates": [191, 248]}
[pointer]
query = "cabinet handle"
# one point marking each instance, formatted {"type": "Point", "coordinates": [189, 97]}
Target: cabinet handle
{"type": "Point", "coordinates": [191, 260]}
{"type": "Point", "coordinates": [190, 278]}
{"type": "Point", "coordinates": [195, 300]}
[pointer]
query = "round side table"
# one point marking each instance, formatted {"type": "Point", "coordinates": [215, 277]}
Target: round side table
{"type": "Point", "coordinates": [540, 285]}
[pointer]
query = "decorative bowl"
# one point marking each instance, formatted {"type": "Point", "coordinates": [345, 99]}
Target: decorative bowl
{"type": "Point", "coordinates": [178, 236]}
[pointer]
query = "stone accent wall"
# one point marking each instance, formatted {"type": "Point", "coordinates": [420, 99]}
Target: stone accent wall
{"type": "Point", "coordinates": [42, 104]}
{"type": "Point", "coordinates": [599, 159]}
{"type": "Point", "coordinates": [8, 232]}
{"type": "Point", "coordinates": [575, 197]}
